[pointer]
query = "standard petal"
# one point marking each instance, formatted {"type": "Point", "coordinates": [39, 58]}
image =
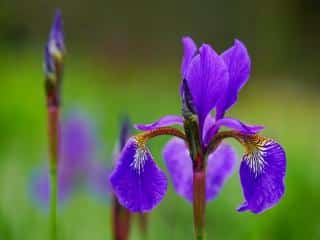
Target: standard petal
{"type": "Point", "coordinates": [179, 164]}
{"type": "Point", "coordinates": [219, 168]}
{"type": "Point", "coordinates": [207, 77]}
{"type": "Point", "coordinates": [162, 122]}
{"type": "Point", "coordinates": [137, 181]}
{"type": "Point", "coordinates": [189, 50]}
{"type": "Point", "coordinates": [232, 123]}
{"type": "Point", "coordinates": [238, 62]}
{"type": "Point", "coordinates": [262, 174]}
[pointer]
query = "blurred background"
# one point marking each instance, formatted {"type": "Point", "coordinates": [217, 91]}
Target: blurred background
{"type": "Point", "coordinates": [124, 57]}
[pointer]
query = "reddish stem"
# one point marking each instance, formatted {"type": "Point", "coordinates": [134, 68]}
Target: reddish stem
{"type": "Point", "coordinates": [199, 202]}
{"type": "Point", "coordinates": [120, 221]}
{"type": "Point", "coordinates": [53, 126]}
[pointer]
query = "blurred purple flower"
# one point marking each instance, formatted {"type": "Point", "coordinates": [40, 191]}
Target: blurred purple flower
{"type": "Point", "coordinates": [78, 164]}
{"type": "Point", "coordinates": [210, 81]}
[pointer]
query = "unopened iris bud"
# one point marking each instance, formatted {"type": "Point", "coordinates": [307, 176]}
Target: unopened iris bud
{"type": "Point", "coordinates": [53, 61]}
{"type": "Point", "coordinates": [56, 45]}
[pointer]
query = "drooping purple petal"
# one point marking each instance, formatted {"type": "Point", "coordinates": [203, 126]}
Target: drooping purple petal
{"type": "Point", "coordinates": [207, 77]}
{"type": "Point", "coordinates": [239, 66]}
{"type": "Point", "coordinates": [162, 122]}
{"type": "Point", "coordinates": [219, 168]}
{"type": "Point", "coordinates": [78, 143]}
{"type": "Point", "coordinates": [189, 50]}
{"type": "Point", "coordinates": [232, 123]}
{"type": "Point", "coordinates": [179, 164]}
{"type": "Point", "coordinates": [98, 180]}
{"type": "Point", "coordinates": [137, 181]}
{"type": "Point", "coordinates": [40, 188]}
{"type": "Point", "coordinates": [262, 174]}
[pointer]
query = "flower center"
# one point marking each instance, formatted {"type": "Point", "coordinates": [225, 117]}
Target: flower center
{"type": "Point", "coordinates": [140, 156]}
{"type": "Point", "coordinates": [257, 148]}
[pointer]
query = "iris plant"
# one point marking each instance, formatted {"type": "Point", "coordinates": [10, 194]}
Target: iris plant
{"type": "Point", "coordinates": [54, 55]}
{"type": "Point", "coordinates": [197, 158]}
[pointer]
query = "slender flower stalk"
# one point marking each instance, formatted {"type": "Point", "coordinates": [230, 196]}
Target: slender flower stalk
{"type": "Point", "coordinates": [198, 160]}
{"type": "Point", "coordinates": [53, 124]}
{"type": "Point", "coordinates": [54, 53]}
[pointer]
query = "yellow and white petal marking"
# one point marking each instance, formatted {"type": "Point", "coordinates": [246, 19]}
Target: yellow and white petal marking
{"type": "Point", "coordinates": [257, 148]}
{"type": "Point", "coordinates": [141, 155]}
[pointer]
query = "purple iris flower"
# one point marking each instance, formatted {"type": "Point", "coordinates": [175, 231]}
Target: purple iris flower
{"type": "Point", "coordinates": [209, 82]}
{"type": "Point", "coordinates": [78, 164]}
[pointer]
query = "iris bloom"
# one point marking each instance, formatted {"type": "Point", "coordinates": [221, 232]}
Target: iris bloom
{"type": "Point", "coordinates": [78, 165]}
{"type": "Point", "coordinates": [209, 82]}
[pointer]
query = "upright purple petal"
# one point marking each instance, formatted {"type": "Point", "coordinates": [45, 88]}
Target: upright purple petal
{"type": "Point", "coordinates": [219, 168]}
{"type": "Point", "coordinates": [232, 123]}
{"type": "Point", "coordinates": [162, 122]}
{"type": "Point", "coordinates": [262, 174]}
{"type": "Point", "coordinates": [239, 66]}
{"type": "Point", "coordinates": [179, 164]}
{"type": "Point", "coordinates": [189, 50]}
{"type": "Point", "coordinates": [207, 77]}
{"type": "Point", "coordinates": [137, 181]}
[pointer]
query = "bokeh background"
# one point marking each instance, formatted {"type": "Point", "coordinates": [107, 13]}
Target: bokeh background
{"type": "Point", "coordinates": [124, 57]}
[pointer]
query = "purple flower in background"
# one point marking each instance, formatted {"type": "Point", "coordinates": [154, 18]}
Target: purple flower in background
{"type": "Point", "coordinates": [209, 82]}
{"type": "Point", "coordinates": [78, 164]}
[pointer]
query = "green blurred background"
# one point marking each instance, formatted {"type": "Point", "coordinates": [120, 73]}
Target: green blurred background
{"type": "Point", "coordinates": [124, 56]}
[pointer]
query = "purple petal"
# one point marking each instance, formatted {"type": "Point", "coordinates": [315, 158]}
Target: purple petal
{"type": "Point", "coordinates": [208, 124]}
{"type": "Point", "coordinates": [137, 181]}
{"type": "Point", "coordinates": [49, 67]}
{"type": "Point", "coordinates": [162, 122]}
{"type": "Point", "coordinates": [56, 40]}
{"type": "Point", "coordinates": [220, 166]}
{"type": "Point", "coordinates": [262, 173]}
{"type": "Point", "coordinates": [78, 147]}
{"type": "Point", "coordinates": [179, 164]}
{"type": "Point", "coordinates": [98, 180]}
{"type": "Point", "coordinates": [189, 50]}
{"type": "Point", "coordinates": [232, 123]}
{"type": "Point", "coordinates": [40, 188]}
{"type": "Point", "coordinates": [239, 66]}
{"type": "Point", "coordinates": [207, 77]}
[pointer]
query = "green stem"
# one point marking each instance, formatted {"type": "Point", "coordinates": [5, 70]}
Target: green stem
{"type": "Point", "coordinates": [53, 125]}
